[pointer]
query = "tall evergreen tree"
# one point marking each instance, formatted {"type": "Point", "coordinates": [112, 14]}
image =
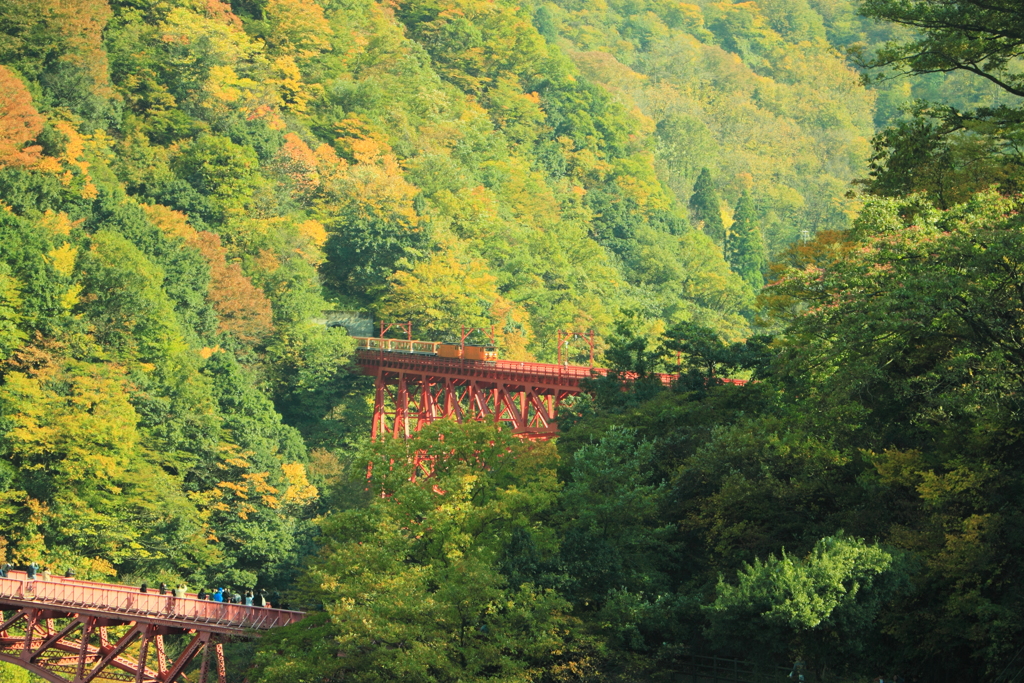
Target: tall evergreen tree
{"type": "Point", "coordinates": [706, 209]}
{"type": "Point", "coordinates": [746, 251]}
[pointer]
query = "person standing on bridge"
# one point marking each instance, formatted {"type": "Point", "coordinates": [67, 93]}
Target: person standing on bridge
{"type": "Point", "coordinates": [32, 569]}
{"type": "Point", "coordinates": [143, 588]}
{"type": "Point", "coordinates": [163, 588]}
{"type": "Point", "coordinates": [4, 568]}
{"type": "Point", "coordinates": [178, 592]}
{"type": "Point", "coordinates": [218, 595]}
{"type": "Point", "coordinates": [46, 574]}
{"type": "Point", "coordinates": [69, 574]}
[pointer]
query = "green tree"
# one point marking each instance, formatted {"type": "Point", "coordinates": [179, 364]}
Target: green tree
{"type": "Point", "coordinates": [186, 277]}
{"type": "Point", "coordinates": [908, 341]}
{"type": "Point", "coordinates": [821, 606]}
{"type": "Point", "coordinates": [906, 256]}
{"type": "Point", "coordinates": [245, 485]}
{"type": "Point", "coordinates": [685, 144]}
{"type": "Point", "coordinates": [611, 511]}
{"type": "Point", "coordinates": [746, 250]}
{"type": "Point", "coordinates": [219, 168]}
{"type": "Point", "coordinates": [706, 209]}
{"type": "Point", "coordinates": [704, 359]}
{"type": "Point", "coordinates": [124, 299]}
{"type": "Point", "coordinates": [951, 151]}
{"type": "Point", "coordinates": [311, 375]}
{"type": "Point", "coordinates": [374, 230]}
{"type": "Point", "coordinates": [757, 483]}
{"type": "Point", "coordinates": [634, 346]}
{"type": "Point", "coordinates": [440, 295]}
{"type": "Point", "coordinates": [410, 579]}
{"type": "Point", "coordinates": [947, 156]}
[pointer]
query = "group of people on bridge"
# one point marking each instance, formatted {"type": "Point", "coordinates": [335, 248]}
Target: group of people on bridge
{"type": "Point", "coordinates": [249, 598]}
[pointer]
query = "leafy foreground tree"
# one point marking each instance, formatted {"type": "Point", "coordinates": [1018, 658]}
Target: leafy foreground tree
{"type": "Point", "coordinates": [949, 152]}
{"type": "Point", "coordinates": [889, 407]}
{"type": "Point", "coordinates": [909, 343]}
{"type": "Point", "coordinates": [821, 607]}
{"type": "Point", "coordinates": [983, 37]}
{"type": "Point", "coordinates": [439, 576]}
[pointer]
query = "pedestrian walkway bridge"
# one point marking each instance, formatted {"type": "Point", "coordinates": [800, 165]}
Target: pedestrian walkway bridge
{"type": "Point", "coordinates": [71, 631]}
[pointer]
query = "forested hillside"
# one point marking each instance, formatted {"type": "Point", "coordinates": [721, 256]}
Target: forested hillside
{"type": "Point", "coordinates": [187, 186]}
{"type": "Point", "coordinates": [189, 189]}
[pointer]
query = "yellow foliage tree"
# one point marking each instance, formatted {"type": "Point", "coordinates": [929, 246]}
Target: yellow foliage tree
{"type": "Point", "coordinates": [71, 424]}
{"type": "Point", "coordinates": [444, 293]}
{"type": "Point", "coordinates": [297, 28]}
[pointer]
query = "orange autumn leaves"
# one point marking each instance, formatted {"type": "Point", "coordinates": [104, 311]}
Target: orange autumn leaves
{"type": "Point", "coordinates": [20, 123]}
{"type": "Point", "coordinates": [242, 308]}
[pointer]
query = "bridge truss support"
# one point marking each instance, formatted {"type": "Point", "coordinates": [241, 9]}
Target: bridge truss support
{"type": "Point", "coordinates": [406, 400]}
{"type": "Point", "coordinates": [65, 647]}
{"type": "Point", "coordinates": [415, 386]}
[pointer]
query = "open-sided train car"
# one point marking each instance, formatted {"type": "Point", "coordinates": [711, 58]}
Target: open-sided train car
{"type": "Point", "coordinates": [467, 352]}
{"type": "Point", "coordinates": [460, 351]}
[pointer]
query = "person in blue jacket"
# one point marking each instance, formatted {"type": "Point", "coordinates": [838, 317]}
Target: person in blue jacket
{"type": "Point", "coordinates": [218, 595]}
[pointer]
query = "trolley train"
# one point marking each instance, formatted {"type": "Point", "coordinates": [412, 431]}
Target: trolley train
{"type": "Point", "coordinates": [427, 348]}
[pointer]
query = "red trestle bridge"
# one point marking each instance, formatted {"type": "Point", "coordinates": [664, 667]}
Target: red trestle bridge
{"type": "Point", "coordinates": [415, 386]}
{"type": "Point", "coordinates": [69, 631]}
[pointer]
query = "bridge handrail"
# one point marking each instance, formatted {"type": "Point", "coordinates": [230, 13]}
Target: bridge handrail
{"type": "Point", "coordinates": [129, 601]}
{"type": "Point", "coordinates": [57, 578]}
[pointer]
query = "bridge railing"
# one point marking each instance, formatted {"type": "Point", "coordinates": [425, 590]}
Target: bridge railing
{"type": "Point", "coordinates": [127, 601]}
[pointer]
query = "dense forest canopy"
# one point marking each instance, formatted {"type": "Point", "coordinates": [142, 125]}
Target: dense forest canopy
{"type": "Point", "coordinates": [821, 196]}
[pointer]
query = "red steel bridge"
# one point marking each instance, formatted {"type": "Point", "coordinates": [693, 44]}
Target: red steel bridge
{"type": "Point", "coordinates": [416, 386]}
{"type": "Point", "coordinates": [69, 631]}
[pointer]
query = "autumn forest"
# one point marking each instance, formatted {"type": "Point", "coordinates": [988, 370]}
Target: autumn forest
{"type": "Point", "coordinates": [820, 197]}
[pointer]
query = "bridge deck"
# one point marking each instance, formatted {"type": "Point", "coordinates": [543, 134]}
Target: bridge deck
{"type": "Point", "coordinates": [547, 375]}
{"type": "Point", "coordinates": [126, 604]}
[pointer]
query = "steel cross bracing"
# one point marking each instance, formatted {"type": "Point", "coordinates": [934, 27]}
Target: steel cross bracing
{"type": "Point", "coordinates": [414, 390]}
{"type": "Point", "coordinates": [69, 631]}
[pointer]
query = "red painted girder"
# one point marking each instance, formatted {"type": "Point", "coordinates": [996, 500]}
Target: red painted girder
{"type": "Point", "coordinates": [550, 374]}
{"type": "Point", "coordinates": [419, 374]}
